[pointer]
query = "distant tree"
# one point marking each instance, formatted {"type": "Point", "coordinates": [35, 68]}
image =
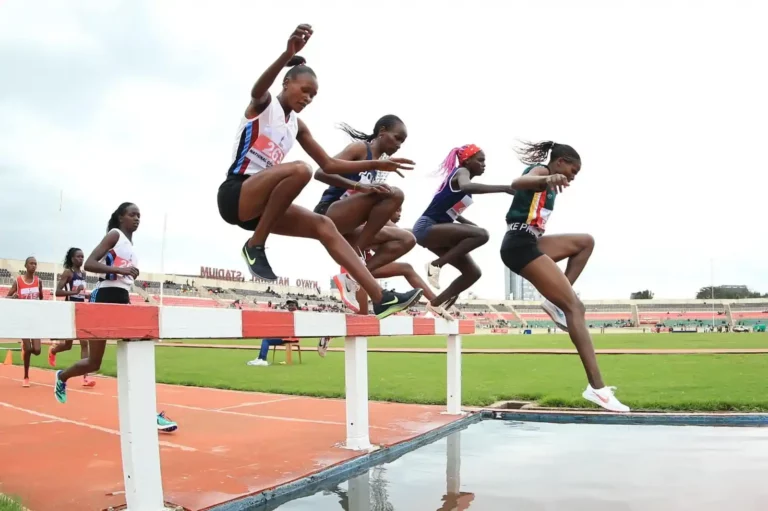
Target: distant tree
{"type": "Point", "coordinates": [726, 293]}
{"type": "Point", "coordinates": [642, 295]}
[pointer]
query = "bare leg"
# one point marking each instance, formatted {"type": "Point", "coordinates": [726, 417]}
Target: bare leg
{"type": "Point", "coordinates": [31, 347]}
{"type": "Point", "coordinates": [550, 281]}
{"type": "Point", "coordinates": [373, 210]}
{"type": "Point", "coordinates": [577, 248]}
{"type": "Point", "coordinates": [62, 346]}
{"type": "Point", "coordinates": [302, 223]}
{"type": "Point", "coordinates": [87, 365]}
{"type": "Point", "coordinates": [470, 273]}
{"type": "Point", "coordinates": [391, 244]}
{"type": "Point", "coordinates": [457, 240]}
{"type": "Point", "coordinates": [267, 194]}
{"type": "Point", "coordinates": [407, 271]}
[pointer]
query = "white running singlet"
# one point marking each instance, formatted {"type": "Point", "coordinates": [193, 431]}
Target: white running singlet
{"type": "Point", "coordinates": [263, 141]}
{"type": "Point", "coordinates": [121, 256]}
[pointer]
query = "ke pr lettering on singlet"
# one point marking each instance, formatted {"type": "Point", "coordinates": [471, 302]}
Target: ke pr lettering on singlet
{"type": "Point", "coordinates": [532, 208]}
{"type": "Point", "coordinates": [263, 141]}
{"type": "Point", "coordinates": [26, 291]}
{"type": "Point", "coordinates": [448, 204]}
{"type": "Point", "coordinates": [75, 280]}
{"type": "Point", "coordinates": [335, 193]}
{"type": "Point", "coordinates": [120, 256]}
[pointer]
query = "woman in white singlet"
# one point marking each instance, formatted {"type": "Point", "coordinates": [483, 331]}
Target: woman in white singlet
{"type": "Point", "coordinates": [260, 188]}
{"type": "Point", "coordinates": [116, 261]}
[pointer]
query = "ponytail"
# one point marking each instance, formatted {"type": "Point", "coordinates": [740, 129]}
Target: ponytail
{"type": "Point", "coordinates": [114, 220]}
{"type": "Point", "coordinates": [296, 60]}
{"type": "Point", "coordinates": [387, 123]}
{"type": "Point", "coordinates": [532, 154]}
{"type": "Point", "coordinates": [298, 65]}
{"type": "Point", "coordinates": [457, 157]}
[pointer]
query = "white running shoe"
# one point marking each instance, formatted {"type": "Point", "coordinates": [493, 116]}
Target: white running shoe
{"type": "Point", "coordinates": [322, 346]}
{"type": "Point", "coordinates": [556, 314]}
{"type": "Point", "coordinates": [433, 275]}
{"type": "Point", "coordinates": [257, 362]}
{"type": "Point", "coordinates": [347, 290]}
{"type": "Point", "coordinates": [439, 311]}
{"type": "Point", "coordinates": [604, 397]}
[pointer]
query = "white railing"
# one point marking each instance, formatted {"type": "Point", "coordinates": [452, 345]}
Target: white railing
{"type": "Point", "coordinates": [136, 361]}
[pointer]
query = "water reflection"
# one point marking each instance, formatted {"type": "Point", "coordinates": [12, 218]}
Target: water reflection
{"type": "Point", "coordinates": [368, 491]}
{"type": "Point", "coordinates": [547, 467]}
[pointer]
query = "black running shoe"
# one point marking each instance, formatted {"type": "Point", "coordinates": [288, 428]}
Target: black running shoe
{"type": "Point", "coordinates": [256, 259]}
{"type": "Point", "coordinates": [392, 303]}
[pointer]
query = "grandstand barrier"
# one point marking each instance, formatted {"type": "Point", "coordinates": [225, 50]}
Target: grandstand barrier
{"type": "Point", "coordinates": [137, 329]}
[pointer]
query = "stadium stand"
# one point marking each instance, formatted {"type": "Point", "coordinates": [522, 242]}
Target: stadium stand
{"type": "Point", "coordinates": [193, 291]}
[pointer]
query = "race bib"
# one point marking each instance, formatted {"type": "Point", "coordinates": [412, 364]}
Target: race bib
{"type": "Point", "coordinates": [543, 217]}
{"type": "Point", "coordinates": [455, 211]}
{"type": "Point", "coordinates": [265, 152]}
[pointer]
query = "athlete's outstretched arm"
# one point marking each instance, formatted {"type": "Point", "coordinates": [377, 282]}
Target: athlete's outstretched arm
{"type": "Point", "coordinates": [463, 220]}
{"type": "Point", "coordinates": [466, 185]}
{"type": "Point", "coordinates": [336, 166]}
{"type": "Point", "coordinates": [355, 151]}
{"type": "Point", "coordinates": [12, 291]}
{"type": "Point", "coordinates": [40, 288]}
{"type": "Point", "coordinates": [539, 179]}
{"type": "Point", "coordinates": [260, 96]}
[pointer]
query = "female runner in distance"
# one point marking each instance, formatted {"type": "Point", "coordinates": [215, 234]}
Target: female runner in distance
{"type": "Point", "coordinates": [259, 189]}
{"type": "Point", "coordinates": [527, 252]}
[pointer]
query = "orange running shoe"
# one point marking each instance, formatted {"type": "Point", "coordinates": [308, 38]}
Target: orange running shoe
{"type": "Point", "coordinates": [25, 383]}
{"type": "Point", "coordinates": [88, 383]}
{"type": "Point", "coordinates": [51, 357]}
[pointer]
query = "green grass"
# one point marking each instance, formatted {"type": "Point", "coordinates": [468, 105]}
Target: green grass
{"type": "Point", "coordinates": [662, 382]}
{"type": "Point", "coordinates": [10, 503]}
{"type": "Point", "coordinates": [606, 341]}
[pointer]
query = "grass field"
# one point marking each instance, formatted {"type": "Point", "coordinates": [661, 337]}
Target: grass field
{"type": "Point", "coordinates": [607, 341]}
{"type": "Point", "coordinates": [9, 504]}
{"type": "Point", "coordinates": [657, 382]}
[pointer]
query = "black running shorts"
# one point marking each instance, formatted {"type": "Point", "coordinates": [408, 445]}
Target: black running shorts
{"type": "Point", "coordinates": [322, 207]}
{"type": "Point", "coordinates": [518, 249]}
{"type": "Point", "coordinates": [229, 202]}
{"type": "Point", "coordinates": [111, 295]}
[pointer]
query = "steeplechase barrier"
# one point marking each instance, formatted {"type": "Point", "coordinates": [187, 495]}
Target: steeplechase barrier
{"type": "Point", "coordinates": [138, 327]}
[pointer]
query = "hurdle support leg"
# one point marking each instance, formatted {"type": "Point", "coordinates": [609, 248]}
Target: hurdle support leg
{"type": "Point", "coordinates": [140, 447]}
{"type": "Point", "coordinates": [356, 386]}
{"type": "Point", "coordinates": [454, 375]}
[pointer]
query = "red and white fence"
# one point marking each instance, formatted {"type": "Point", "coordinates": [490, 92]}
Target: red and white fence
{"type": "Point", "coordinates": [142, 326]}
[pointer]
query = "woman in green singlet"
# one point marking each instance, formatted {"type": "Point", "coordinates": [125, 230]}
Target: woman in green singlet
{"type": "Point", "coordinates": [527, 252]}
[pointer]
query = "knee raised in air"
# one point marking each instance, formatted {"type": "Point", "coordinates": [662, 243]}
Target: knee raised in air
{"type": "Point", "coordinates": [473, 273]}
{"type": "Point", "coordinates": [483, 235]}
{"type": "Point", "coordinates": [408, 239]}
{"type": "Point", "coordinates": [397, 195]}
{"type": "Point", "coordinates": [35, 350]}
{"type": "Point", "coordinates": [301, 170]}
{"type": "Point", "coordinates": [324, 228]}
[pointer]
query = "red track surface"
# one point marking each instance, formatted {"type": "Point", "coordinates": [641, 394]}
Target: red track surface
{"type": "Point", "coordinates": [229, 444]}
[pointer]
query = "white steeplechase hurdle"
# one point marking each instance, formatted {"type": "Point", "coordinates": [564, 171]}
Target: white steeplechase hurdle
{"type": "Point", "coordinates": [138, 327]}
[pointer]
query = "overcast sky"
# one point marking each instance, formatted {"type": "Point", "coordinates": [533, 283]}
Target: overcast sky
{"type": "Point", "coordinates": [112, 101]}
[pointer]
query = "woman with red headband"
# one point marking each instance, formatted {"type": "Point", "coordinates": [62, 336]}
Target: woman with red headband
{"type": "Point", "coordinates": [444, 231]}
